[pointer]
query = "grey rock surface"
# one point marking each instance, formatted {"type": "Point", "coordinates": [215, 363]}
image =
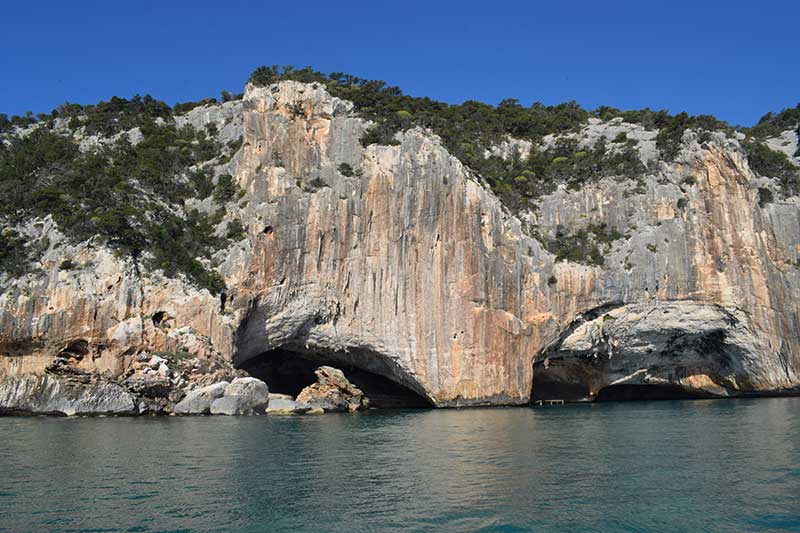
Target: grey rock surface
{"type": "Point", "coordinates": [198, 402]}
{"type": "Point", "coordinates": [253, 392]}
{"type": "Point", "coordinates": [695, 348]}
{"type": "Point", "coordinates": [230, 405]}
{"type": "Point", "coordinates": [281, 406]}
{"type": "Point", "coordinates": [55, 395]}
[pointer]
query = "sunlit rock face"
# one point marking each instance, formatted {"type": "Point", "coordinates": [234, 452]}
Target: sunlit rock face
{"type": "Point", "coordinates": [409, 267]}
{"type": "Point", "coordinates": [681, 348]}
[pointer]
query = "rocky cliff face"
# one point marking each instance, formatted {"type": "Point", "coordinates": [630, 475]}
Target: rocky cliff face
{"type": "Point", "coordinates": [408, 267]}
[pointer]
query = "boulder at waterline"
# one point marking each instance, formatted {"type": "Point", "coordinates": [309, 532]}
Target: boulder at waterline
{"type": "Point", "coordinates": [281, 406]}
{"type": "Point", "coordinates": [253, 392]}
{"type": "Point", "coordinates": [198, 402]}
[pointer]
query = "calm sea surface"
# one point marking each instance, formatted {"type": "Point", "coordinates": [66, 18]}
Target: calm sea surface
{"type": "Point", "coordinates": [657, 466]}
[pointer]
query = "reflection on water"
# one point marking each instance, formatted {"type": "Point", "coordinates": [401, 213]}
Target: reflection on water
{"type": "Point", "coordinates": [691, 465]}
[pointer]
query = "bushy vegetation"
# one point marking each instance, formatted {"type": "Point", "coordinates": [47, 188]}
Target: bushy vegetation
{"type": "Point", "coordinates": [225, 189]}
{"type": "Point", "coordinates": [131, 196]}
{"type": "Point", "coordinates": [346, 170]}
{"type": "Point", "coordinates": [13, 254]}
{"type": "Point", "coordinates": [468, 130]}
{"type": "Point", "coordinates": [773, 124]}
{"type": "Point", "coordinates": [588, 245]}
{"type": "Point", "coordinates": [772, 164]}
{"type": "Point", "coordinates": [185, 107]}
{"type": "Point", "coordinates": [134, 197]}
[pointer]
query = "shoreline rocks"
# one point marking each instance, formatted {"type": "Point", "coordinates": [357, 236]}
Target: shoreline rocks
{"type": "Point", "coordinates": [68, 393]}
{"type": "Point", "coordinates": [198, 402]}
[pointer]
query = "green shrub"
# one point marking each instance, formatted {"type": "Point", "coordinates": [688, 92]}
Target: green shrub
{"type": "Point", "coordinates": [118, 114]}
{"type": "Point", "coordinates": [382, 133]}
{"type": "Point", "coordinates": [765, 197]}
{"type": "Point", "coordinates": [773, 124]}
{"type": "Point", "coordinates": [315, 184]}
{"type": "Point", "coordinates": [13, 255]}
{"type": "Point", "coordinates": [235, 231]}
{"type": "Point", "coordinates": [67, 264]}
{"type": "Point", "coordinates": [579, 247]}
{"type": "Point", "coordinates": [118, 193]}
{"type": "Point", "coordinates": [772, 164]}
{"type": "Point", "coordinates": [346, 170]}
{"type": "Point", "coordinates": [225, 189]}
{"type": "Point", "coordinates": [185, 107]}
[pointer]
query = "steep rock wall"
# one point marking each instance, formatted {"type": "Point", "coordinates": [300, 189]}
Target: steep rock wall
{"type": "Point", "coordinates": [412, 269]}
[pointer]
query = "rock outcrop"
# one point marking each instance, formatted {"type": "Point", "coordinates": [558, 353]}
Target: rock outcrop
{"type": "Point", "coordinates": [64, 391]}
{"type": "Point", "coordinates": [333, 392]}
{"type": "Point", "coordinates": [412, 269]}
{"type": "Point", "coordinates": [198, 402]}
{"type": "Point", "coordinates": [688, 348]}
{"type": "Point", "coordinates": [249, 395]}
{"type": "Point", "coordinates": [286, 406]}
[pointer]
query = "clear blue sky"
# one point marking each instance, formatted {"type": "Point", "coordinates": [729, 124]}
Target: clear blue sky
{"type": "Point", "coordinates": [734, 59]}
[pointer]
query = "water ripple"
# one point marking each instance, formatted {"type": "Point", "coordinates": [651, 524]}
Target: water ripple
{"type": "Point", "coordinates": [676, 466]}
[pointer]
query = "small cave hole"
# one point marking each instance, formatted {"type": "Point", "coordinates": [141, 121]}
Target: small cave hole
{"type": "Point", "coordinates": [546, 387]}
{"type": "Point", "coordinates": [76, 349]}
{"type": "Point", "coordinates": [158, 318]}
{"type": "Point", "coordinates": [268, 230]}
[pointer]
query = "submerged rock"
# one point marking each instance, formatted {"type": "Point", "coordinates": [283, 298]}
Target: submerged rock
{"type": "Point", "coordinates": [333, 392]}
{"type": "Point", "coordinates": [198, 402]}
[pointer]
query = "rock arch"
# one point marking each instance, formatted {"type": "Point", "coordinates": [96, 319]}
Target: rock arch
{"type": "Point", "coordinates": [285, 353]}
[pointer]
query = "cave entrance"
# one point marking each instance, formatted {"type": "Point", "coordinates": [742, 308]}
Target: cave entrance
{"type": "Point", "coordinates": [627, 393]}
{"type": "Point", "coordinates": [545, 389]}
{"type": "Point", "coordinates": [288, 372]}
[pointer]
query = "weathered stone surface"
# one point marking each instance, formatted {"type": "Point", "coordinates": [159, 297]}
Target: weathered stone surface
{"type": "Point", "coordinates": [694, 348]}
{"type": "Point", "coordinates": [55, 395]}
{"type": "Point", "coordinates": [281, 406]}
{"type": "Point", "coordinates": [276, 396]}
{"type": "Point", "coordinates": [333, 392]}
{"type": "Point", "coordinates": [198, 402]}
{"type": "Point", "coordinates": [415, 271]}
{"type": "Point", "coordinates": [253, 393]}
{"type": "Point", "coordinates": [230, 405]}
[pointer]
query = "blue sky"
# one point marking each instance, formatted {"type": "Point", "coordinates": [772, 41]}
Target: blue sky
{"type": "Point", "coordinates": [733, 59]}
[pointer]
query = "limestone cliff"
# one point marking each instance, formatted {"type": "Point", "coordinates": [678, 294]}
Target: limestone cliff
{"type": "Point", "coordinates": [410, 268]}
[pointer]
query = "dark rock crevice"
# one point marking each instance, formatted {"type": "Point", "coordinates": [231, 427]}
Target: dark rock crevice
{"type": "Point", "coordinates": [623, 393]}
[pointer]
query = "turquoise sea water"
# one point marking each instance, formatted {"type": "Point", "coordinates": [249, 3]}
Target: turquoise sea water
{"type": "Point", "coordinates": [652, 466]}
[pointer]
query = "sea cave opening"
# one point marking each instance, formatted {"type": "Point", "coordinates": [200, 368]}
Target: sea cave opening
{"type": "Point", "coordinates": [547, 388]}
{"type": "Point", "coordinates": [289, 372]}
{"type": "Point", "coordinates": [627, 392]}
